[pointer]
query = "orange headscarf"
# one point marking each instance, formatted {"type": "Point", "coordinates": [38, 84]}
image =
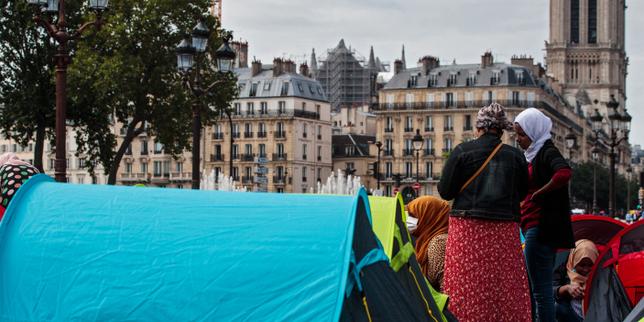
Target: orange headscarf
{"type": "Point", "coordinates": [432, 214]}
{"type": "Point", "coordinates": [584, 248]}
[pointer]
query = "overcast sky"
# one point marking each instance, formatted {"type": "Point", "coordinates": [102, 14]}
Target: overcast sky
{"type": "Point", "coordinates": [458, 30]}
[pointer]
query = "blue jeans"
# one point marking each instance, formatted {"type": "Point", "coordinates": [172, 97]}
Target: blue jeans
{"type": "Point", "coordinates": [540, 260]}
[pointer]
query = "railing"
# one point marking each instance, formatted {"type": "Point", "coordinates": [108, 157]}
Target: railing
{"type": "Point", "coordinates": [261, 134]}
{"type": "Point", "coordinates": [468, 128]}
{"type": "Point", "coordinates": [133, 176]}
{"type": "Point", "coordinates": [216, 157]}
{"type": "Point", "coordinates": [180, 176]}
{"type": "Point", "coordinates": [306, 114]}
{"type": "Point", "coordinates": [429, 129]}
{"type": "Point", "coordinates": [428, 152]}
{"type": "Point", "coordinates": [279, 156]}
{"type": "Point", "coordinates": [280, 134]}
{"type": "Point", "coordinates": [248, 134]}
{"type": "Point", "coordinates": [218, 136]}
{"type": "Point", "coordinates": [248, 157]}
{"type": "Point", "coordinates": [452, 104]}
{"type": "Point", "coordinates": [388, 153]}
{"type": "Point", "coordinates": [389, 129]}
{"type": "Point", "coordinates": [247, 179]}
{"type": "Point", "coordinates": [408, 152]}
{"type": "Point", "coordinates": [235, 156]}
{"type": "Point", "coordinates": [409, 129]}
{"type": "Point", "coordinates": [447, 150]}
{"type": "Point", "coordinates": [448, 128]}
{"type": "Point", "coordinates": [279, 180]}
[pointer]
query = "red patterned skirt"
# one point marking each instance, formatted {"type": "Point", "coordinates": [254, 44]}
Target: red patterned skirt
{"type": "Point", "coordinates": [485, 274]}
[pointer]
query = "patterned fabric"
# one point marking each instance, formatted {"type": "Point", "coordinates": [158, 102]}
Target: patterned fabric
{"type": "Point", "coordinates": [432, 214]}
{"type": "Point", "coordinates": [12, 176]}
{"type": "Point", "coordinates": [485, 275]}
{"type": "Point", "coordinates": [492, 117]}
{"type": "Point", "coordinates": [436, 261]}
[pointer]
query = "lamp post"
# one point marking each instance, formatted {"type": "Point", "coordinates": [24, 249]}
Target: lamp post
{"type": "Point", "coordinates": [595, 155]}
{"type": "Point", "coordinates": [619, 126]}
{"type": "Point", "coordinates": [189, 67]}
{"type": "Point", "coordinates": [629, 171]}
{"type": "Point", "coordinates": [62, 35]}
{"type": "Point", "coordinates": [417, 141]}
{"type": "Point", "coordinates": [571, 143]}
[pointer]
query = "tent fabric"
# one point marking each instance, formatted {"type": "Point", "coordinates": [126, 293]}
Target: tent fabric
{"type": "Point", "coordinates": [608, 301]}
{"type": "Point", "coordinates": [637, 314]}
{"type": "Point", "coordinates": [90, 252]}
{"type": "Point", "coordinates": [599, 229]}
{"type": "Point", "coordinates": [390, 211]}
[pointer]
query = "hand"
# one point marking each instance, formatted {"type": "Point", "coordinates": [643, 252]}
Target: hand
{"type": "Point", "coordinates": [575, 291]}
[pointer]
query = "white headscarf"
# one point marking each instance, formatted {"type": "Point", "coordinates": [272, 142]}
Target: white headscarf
{"type": "Point", "coordinates": [537, 126]}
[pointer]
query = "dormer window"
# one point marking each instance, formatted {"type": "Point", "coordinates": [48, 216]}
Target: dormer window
{"type": "Point", "coordinates": [453, 77]}
{"type": "Point", "coordinates": [520, 77]}
{"type": "Point", "coordinates": [413, 81]}
{"type": "Point", "coordinates": [496, 77]}
{"type": "Point", "coordinates": [253, 89]}
{"type": "Point", "coordinates": [433, 80]}
{"type": "Point", "coordinates": [267, 85]}
{"type": "Point", "coordinates": [284, 91]}
{"type": "Point", "coordinates": [299, 86]}
{"type": "Point", "coordinates": [471, 79]}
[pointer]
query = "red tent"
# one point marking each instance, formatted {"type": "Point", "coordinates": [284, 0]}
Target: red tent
{"type": "Point", "coordinates": [616, 283]}
{"type": "Point", "coordinates": [599, 229]}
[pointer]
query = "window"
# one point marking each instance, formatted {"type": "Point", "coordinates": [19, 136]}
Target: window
{"type": "Point", "coordinates": [389, 124]}
{"type": "Point", "coordinates": [304, 148]}
{"type": "Point", "coordinates": [449, 99]}
{"type": "Point", "coordinates": [241, 86]}
{"type": "Point", "coordinates": [430, 100]}
{"type": "Point", "coordinates": [179, 167]}
{"type": "Point", "coordinates": [158, 148]}
{"type": "Point", "coordinates": [515, 98]}
{"type": "Point", "coordinates": [281, 106]}
{"type": "Point", "coordinates": [389, 169]}
{"type": "Point", "coordinates": [299, 87]}
{"type": "Point", "coordinates": [253, 89]}
{"type": "Point", "coordinates": [128, 168]}
{"type": "Point", "coordinates": [409, 147]}
{"type": "Point", "coordinates": [248, 172]}
{"type": "Point", "coordinates": [263, 108]}
{"type": "Point", "coordinates": [471, 79]}
{"type": "Point", "coordinates": [284, 91]}
{"type": "Point", "coordinates": [520, 77]}
{"type": "Point", "coordinates": [531, 96]}
{"type": "Point", "coordinates": [447, 144]}
{"type": "Point", "coordinates": [469, 99]}
{"type": "Point", "coordinates": [319, 153]}
{"type": "Point", "coordinates": [158, 167]}
{"type": "Point", "coordinates": [248, 129]}
{"type": "Point", "coordinates": [311, 89]}
{"type": "Point", "coordinates": [250, 108]}
{"type": "Point", "coordinates": [496, 77]}
{"type": "Point", "coordinates": [409, 99]}
{"type": "Point", "coordinates": [408, 169]}
{"type": "Point", "coordinates": [390, 101]}
{"type": "Point", "coordinates": [262, 150]}
{"type": "Point", "coordinates": [235, 130]}
{"type": "Point", "coordinates": [319, 174]}
{"type": "Point", "coordinates": [144, 167]}
{"type": "Point", "coordinates": [235, 151]}
{"type": "Point", "coordinates": [413, 81]}
{"type": "Point", "coordinates": [235, 173]}
{"type": "Point", "coordinates": [429, 146]}
{"type": "Point", "coordinates": [267, 85]}
{"type": "Point", "coordinates": [303, 174]}
{"type": "Point", "coordinates": [144, 147]}
{"type": "Point", "coordinates": [428, 169]}
{"type": "Point", "coordinates": [319, 132]}
{"type": "Point", "coordinates": [409, 124]}
{"type": "Point", "coordinates": [467, 122]}
{"type": "Point", "coordinates": [574, 21]}
{"type": "Point", "coordinates": [261, 130]}
{"type": "Point", "coordinates": [249, 149]}
{"type": "Point", "coordinates": [491, 97]}
{"type": "Point", "coordinates": [592, 21]}
{"type": "Point", "coordinates": [448, 125]}
{"type": "Point", "coordinates": [453, 79]}
{"type": "Point", "coordinates": [433, 80]}
{"type": "Point", "coordinates": [280, 149]}
{"type": "Point", "coordinates": [237, 109]}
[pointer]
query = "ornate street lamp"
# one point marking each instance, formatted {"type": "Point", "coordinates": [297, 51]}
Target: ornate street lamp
{"type": "Point", "coordinates": [595, 155]}
{"type": "Point", "coordinates": [619, 126]}
{"type": "Point", "coordinates": [571, 143]}
{"type": "Point", "coordinates": [417, 141]}
{"type": "Point", "coordinates": [62, 35]}
{"type": "Point", "coordinates": [188, 66]}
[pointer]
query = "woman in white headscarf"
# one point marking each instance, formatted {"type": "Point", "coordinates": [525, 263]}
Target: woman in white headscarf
{"type": "Point", "coordinates": [545, 211]}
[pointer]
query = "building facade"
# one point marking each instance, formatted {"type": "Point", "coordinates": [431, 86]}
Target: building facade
{"type": "Point", "coordinates": [441, 103]}
{"type": "Point", "coordinates": [354, 154]}
{"type": "Point", "coordinates": [280, 131]}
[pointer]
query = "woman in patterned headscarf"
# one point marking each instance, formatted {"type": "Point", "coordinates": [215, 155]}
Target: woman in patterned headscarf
{"type": "Point", "coordinates": [13, 173]}
{"type": "Point", "coordinates": [485, 274]}
{"type": "Point", "coordinates": [431, 236]}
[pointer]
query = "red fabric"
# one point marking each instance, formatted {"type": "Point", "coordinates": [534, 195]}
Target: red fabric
{"type": "Point", "coordinates": [2, 210]}
{"type": "Point", "coordinates": [485, 275]}
{"type": "Point", "coordinates": [531, 210]}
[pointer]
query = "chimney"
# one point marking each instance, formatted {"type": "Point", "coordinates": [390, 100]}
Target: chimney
{"type": "Point", "coordinates": [278, 67]}
{"type": "Point", "coordinates": [487, 59]}
{"type": "Point", "coordinates": [289, 66]}
{"type": "Point", "coordinates": [241, 49]}
{"type": "Point", "coordinates": [428, 63]}
{"type": "Point", "coordinates": [523, 60]}
{"type": "Point", "coordinates": [398, 66]}
{"type": "Point", "coordinates": [304, 70]}
{"type": "Point", "coordinates": [256, 67]}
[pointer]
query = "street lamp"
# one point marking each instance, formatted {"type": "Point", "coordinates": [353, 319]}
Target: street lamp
{"type": "Point", "coordinates": [595, 155]}
{"type": "Point", "coordinates": [619, 126]}
{"type": "Point", "coordinates": [60, 33]}
{"type": "Point", "coordinates": [188, 66]}
{"type": "Point", "coordinates": [417, 141]}
{"type": "Point", "coordinates": [571, 143]}
{"type": "Point", "coordinates": [629, 171]}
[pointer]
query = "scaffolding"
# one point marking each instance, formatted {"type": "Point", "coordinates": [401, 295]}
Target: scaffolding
{"type": "Point", "coordinates": [345, 77]}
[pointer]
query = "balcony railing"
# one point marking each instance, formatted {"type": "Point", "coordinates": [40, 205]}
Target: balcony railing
{"type": "Point", "coordinates": [133, 176]}
{"type": "Point", "coordinates": [280, 134]}
{"type": "Point", "coordinates": [248, 157]}
{"type": "Point", "coordinates": [306, 114]}
{"type": "Point", "coordinates": [452, 104]}
{"type": "Point", "coordinates": [408, 152]}
{"type": "Point", "coordinates": [429, 129]}
{"type": "Point", "coordinates": [388, 153]}
{"type": "Point", "coordinates": [236, 135]}
{"type": "Point", "coordinates": [218, 136]}
{"type": "Point", "coordinates": [447, 150]}
{"type": "Point", "coordinates": [448, 128]}
{"type": "Point", "coordinates": [389, 129]}
{"type": "Point", "coordinates": [248, 134]}
{"type": "Point", "coordinates": [409, 129]}
{"type": "Point", "coordinates": [261, 134]}
{"type": "Point", "coordinates": [467, 128]}
{"type": "Point", "coordinates": [279, 156]}
{"type": "Point", "coordinates": [235, 156]}
{"type": "Point", "coordinates": [279, 180]}
{"type": "Point", "coordinates": [180, 176]}
{"type": "Point", "coordinates": [428, 152]}
{"type": "Point", "coordinates": [247, 179]}
{"type": "Point", "coordinates": [216, 157]}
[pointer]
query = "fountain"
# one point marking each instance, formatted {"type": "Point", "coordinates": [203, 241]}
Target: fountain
{"type": "Point", "coordinates": [221, 183]}
{"type": "Point", "coordinates": [339, 184]}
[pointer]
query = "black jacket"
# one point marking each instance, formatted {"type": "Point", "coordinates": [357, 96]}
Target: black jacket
{"type": "Point", "coordinates": [496, 193]}
{"type": "Point", "coordinates": [555, 228]}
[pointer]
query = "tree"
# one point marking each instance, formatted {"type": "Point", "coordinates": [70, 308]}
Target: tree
{"type": "Point", "coordinates": [127, 74]}
{"type": "Point", "coordinates": [582, 186]}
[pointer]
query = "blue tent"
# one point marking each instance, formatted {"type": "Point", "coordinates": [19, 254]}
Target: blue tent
{"type": "Point", "coordinates": [87, 252]}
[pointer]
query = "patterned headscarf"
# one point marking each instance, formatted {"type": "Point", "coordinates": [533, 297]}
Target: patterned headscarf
{"type": "Point", "coordinates": [432, 214]}
{"type": "Point", "coordinates": [12, 159]}
{"type": "Point", "coordinates": [492, 117]}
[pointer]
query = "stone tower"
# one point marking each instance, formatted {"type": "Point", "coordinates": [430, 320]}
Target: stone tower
{"type": "Point", "coordinates": [586, 52]}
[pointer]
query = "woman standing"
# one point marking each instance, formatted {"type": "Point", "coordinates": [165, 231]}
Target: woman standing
{"type": "Point", "coordinates": [431, 236]}
{"type": "Point", "coordinates": [545, 212]}
{"type": "Point", "coordinates": [484, 268]}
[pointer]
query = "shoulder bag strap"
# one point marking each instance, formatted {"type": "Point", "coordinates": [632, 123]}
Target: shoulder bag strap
{"type": "Point", "coordinates": [476, 174]}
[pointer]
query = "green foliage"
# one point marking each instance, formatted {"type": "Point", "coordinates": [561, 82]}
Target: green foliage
{"type": "Point", "coordinates": [582, 187]}
{"type": "Point", "coordinates": [128, 71]}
